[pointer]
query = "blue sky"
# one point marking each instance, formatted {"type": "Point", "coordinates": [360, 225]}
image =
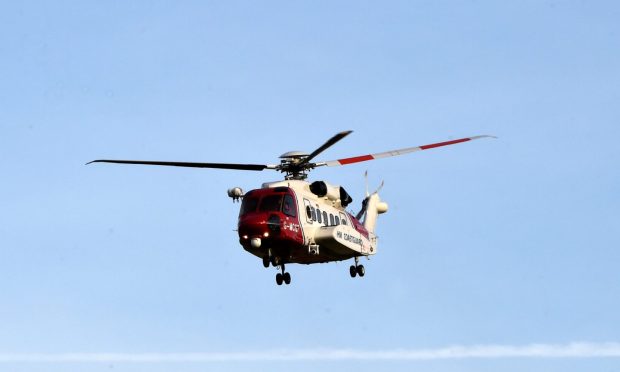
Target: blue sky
{"type": "Point", "coordinates": [509, 242]}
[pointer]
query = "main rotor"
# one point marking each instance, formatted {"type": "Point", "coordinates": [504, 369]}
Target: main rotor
{"type": "Point", "coordinates": [292, 165]}
{"type": "Point", "coordinates": [297, 164]}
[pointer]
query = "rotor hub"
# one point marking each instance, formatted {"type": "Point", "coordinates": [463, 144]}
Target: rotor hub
{"type": "Point", "coordinates": [294, 155]}
{"type": "Point", "coordinates": [294, 166]}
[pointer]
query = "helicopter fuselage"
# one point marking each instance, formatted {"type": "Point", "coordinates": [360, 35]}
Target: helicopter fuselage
{"type": "Point", "coordinates": [286, 222]}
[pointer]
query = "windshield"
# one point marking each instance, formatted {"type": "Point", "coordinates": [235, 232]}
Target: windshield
{"type": "Point", "coordinates": [249, 205]}
{"type": "Point", "coordinates": [271, 203]}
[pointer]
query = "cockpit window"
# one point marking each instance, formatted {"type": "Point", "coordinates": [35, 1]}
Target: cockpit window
{"type": "Point", "coordinates": [271, 203]}
{"type": "Point", "coordinates": [249, 205]}
{"type": "Point", "coordinates": [288, 207]}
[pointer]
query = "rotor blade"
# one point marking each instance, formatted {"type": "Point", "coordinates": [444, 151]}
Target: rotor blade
{"type": "Point", "coordinates": [326, 145]}
{"type": "Point", "coordinates": [252, 167]}
{"type": "Point", "coordinates": [357, 159]}
{"type": "Point", "coordinates": [379, 188]}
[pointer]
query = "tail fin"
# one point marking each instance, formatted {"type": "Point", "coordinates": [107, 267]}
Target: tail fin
{"type": "Point", "coordinates": [372, 207]}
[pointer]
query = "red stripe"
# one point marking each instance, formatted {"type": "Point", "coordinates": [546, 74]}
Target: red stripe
{"type": "Point", "coordinates": [355, 159]}
{"type": "Point", "coordinates": [439, 144]}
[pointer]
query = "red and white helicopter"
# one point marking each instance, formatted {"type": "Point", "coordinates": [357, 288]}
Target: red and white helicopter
{"type": "Point", "coordinates": [295, 221]}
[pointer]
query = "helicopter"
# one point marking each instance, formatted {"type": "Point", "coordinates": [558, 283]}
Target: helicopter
{"type": "Point", "coordinates": [295, 221]}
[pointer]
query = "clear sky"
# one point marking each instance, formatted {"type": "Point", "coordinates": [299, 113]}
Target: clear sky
{"type": "Point", "coordinates": [511, 242]}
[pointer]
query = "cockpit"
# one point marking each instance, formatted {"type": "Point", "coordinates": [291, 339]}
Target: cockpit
{"type": "Point", "coordinates": [266, 201]}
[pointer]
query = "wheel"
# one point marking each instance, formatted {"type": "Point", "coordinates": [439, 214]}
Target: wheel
{"type": "Point", "coordinates": [279, 279]}
{"type": "Point", "coordinates": [360, 270]}
{"type": "Point", "coordinates": [266, 261]}
{"type": "Point", "coordinates": [287, 278]}
{"type": "Point", "coordinates": [352, 271]}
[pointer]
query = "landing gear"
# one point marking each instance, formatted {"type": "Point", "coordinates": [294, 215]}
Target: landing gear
{"type": "Point", "coordinates": [360, 270]}
{"type": "Point", "coordinates": [283, 277]}
{"type": "Point", "coordinates": [271, 259]}
{"type": "Point", "coordinates": [357, 269]}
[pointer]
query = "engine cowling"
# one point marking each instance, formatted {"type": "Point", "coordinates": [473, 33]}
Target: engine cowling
{"type": "Point", "coordinates": [331, 192]}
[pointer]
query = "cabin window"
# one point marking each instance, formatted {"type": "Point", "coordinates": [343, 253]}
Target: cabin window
{"type": "Point", "coordinates": [337, 220]}
{"type": "Point", "coordinates": [288, 206]}
{"type": "Point", "coordinates": [343, 219]}
{"type": "Point", "coordinates": [325, 217]}
{"type": "Point", "coordinates": [248, 205]}
{"type": "Point", "coordinates": [313, 214]}
{"type": "Point", "coordinates": [271, 203]}
{"type": "Point", "coordinates": [318, 216]}
{"type": "Point", "coordinates": [331, 219]}
{"type": "Point", "coordinates": [308, 210]}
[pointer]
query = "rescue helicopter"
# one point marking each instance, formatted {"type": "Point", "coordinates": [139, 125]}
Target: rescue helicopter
{"type": "Point", "coordinates": [297, 221]}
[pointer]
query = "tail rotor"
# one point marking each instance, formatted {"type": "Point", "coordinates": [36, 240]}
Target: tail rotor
{"type": "Point", "coordinates": [364, 209]}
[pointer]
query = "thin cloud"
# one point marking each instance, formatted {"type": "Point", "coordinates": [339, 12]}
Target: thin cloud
{"type": "Point", "coordinates": [572, 350]}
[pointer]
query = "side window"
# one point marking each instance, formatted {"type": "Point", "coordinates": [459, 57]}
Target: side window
{"type": "Point", "coordinates": [318, 216]}
{"type": "Point", "coordinates": [325, 218]}
{"type": "Point", "coordinates": [331, 220]}
{"type": "Point", "coordinates": [313, 213]}
{"type": "Point", "coordinates": [343, 219]}
{"type": "Point", "coordinates": [288, 206]}
{"type": "Point", "coordinates": [337, 220]}
{"type": "Point", "coordinates": [308, 210]}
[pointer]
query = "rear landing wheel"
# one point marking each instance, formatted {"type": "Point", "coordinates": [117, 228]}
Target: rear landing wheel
{"type": "Point", "coordinates": [352, 271]}
{"type": "Point", "coordinates": [287, 278]}
{"type": "Point", "coordinates": [266, 262]}
{"type": "Point", "coordinates": [280, 278]}
{"type": "Point", "coordinates": [360, 270]}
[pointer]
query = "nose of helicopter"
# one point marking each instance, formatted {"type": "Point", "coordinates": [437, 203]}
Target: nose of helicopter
{"type": "Point", "coordinates": [258, 226]}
